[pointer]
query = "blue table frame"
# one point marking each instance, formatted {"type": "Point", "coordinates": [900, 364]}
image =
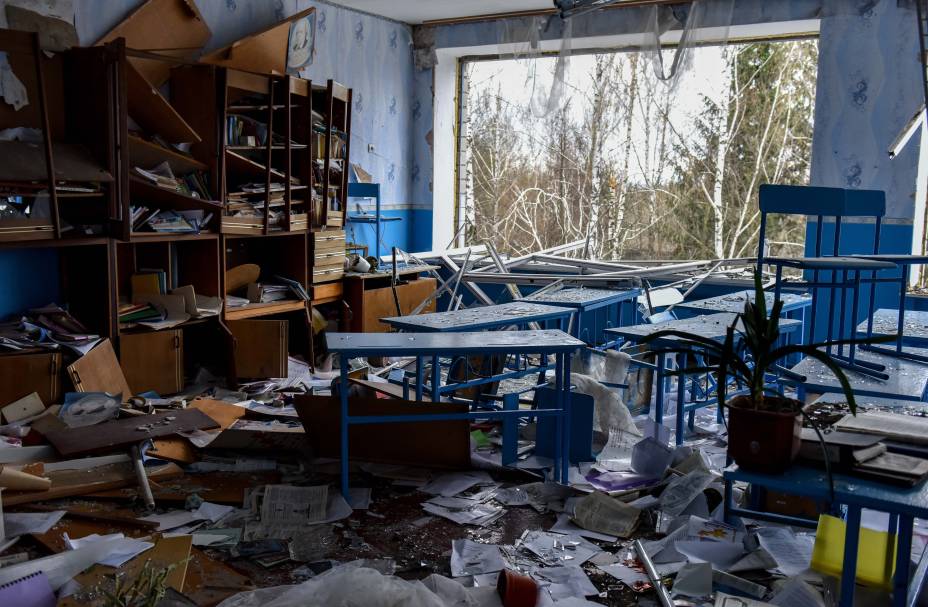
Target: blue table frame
{"type": "Point", "coordinates": [519, 343]}
{"type": "Point", "coordinates": [514, 313]}
{"type": "Point", "coordinates": [586, 300]}
{"type": "Point", "coordinates": [710, 326]}
{"type": "Point", "coordinates": [734, 302]}
{"type": "Point", "coordinates": [903, 505]}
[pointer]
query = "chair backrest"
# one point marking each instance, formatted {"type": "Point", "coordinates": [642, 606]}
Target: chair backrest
{"type": "Point", "coordinates": [820, 202]}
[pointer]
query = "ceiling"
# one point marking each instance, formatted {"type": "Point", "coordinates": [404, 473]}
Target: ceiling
{"type": "Point", "coordinates": [418, 11]}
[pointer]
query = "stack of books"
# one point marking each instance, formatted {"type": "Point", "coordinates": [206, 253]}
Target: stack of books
{"type": "Point", "coordinates": [864, 455]}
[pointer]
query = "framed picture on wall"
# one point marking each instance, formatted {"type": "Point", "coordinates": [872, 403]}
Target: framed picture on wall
{"type": "Point", "coordinates": [301, 43]}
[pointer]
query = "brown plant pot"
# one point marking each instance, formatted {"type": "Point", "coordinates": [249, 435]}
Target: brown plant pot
{"type": "Point", "coordinates": [516, 590]}
{"type": "Point", "coordinates": [762, 441]}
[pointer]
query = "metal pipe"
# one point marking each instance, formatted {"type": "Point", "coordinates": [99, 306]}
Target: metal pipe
{"type": "Point", "coordinates": [663, 596]}
{"type": "Point", "coordinates": [136, 454]}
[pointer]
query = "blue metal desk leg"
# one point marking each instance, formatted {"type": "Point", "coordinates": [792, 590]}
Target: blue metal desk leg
{"type": "Point", "coordinates": [510, 429]}
{"type": "Point", "coordinates": [851, 543]}
{"type": "Point", "coordinates": [436, 378]}
{"type": "Point", "coordinates": [728, 502]}
{"type": "Point", "coordinates": [343, 393]}
{"type": "Point", "coordinates": [420, 378]}
{"type": "Point", "coordinates": [659, 397]}
{"type": "Point", "coordinates": [903, 557]}
{"type": "Point", "coordinates": [565, 394]}
{"type": "Point", "coordinates": [681, 398]}
{"type": "Point", "coordinates": [559, 437]}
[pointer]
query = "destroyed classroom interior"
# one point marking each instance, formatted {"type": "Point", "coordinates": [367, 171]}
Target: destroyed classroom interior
{"type": "Point", "coordinates": [463, 303]}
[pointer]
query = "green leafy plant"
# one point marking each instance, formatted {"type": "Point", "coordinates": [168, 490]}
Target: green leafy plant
{"type": "Point", "coordinates": [144, 590]}
{"type": "Point", "coordinates": [755, 354]}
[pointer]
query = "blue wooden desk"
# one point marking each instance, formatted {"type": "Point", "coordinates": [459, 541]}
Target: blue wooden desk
{"type": "Point", "coordinates": [435, 345]}
{"type": "Point", "coordinates": [734, 302]}
{"type": "Point", "coordinates": [586, 300]}
{"type": "Point", "coordinates": [886, 322]}
{"type": "Point", "coordinates": [514, 313]}
{"type": "Point", "coordinates": [710, 326]}
{"type": "Point", "coordinates": [908, 380]}
{"type": "Point", "coordinates": [903, 505]}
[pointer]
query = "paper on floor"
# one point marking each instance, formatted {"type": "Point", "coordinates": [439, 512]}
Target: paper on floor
{"type": "Point", "coordinates": [453, 483]}
{"type": "Point", "coordinates": [23, 523]}
{"type": "Point", "coordinates": [599, 512]}
{"type": "Point", "coordinates": [681, 491]}
{"type": "Point", "coordinates": [721, 554]}
{"type": "Point", "coordinates": [556, 549]}
{"type": "Point", "coordinates": [798, 593]}
{"type": "Point", "coordinates": [694, 580]}
{"type": "Point", "coordinates": [792, 552]}
{"type": "Point", "coordinates": [563, 525]}
{"type": "Point", "coordinates": [121, 551]}
{"type": "Point", "coordinates": [564, 582]}
{"type": "Point", "coordinates": [472, 558]}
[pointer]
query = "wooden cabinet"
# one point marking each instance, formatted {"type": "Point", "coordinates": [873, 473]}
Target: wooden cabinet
{"type": "Point", "coordinates": [370, 301]}
{"type": "Point", "coordinates": [153, 360]}
{"type": "Point", "coordinates": [260, 348]}
{"type": "Point", "coordinates": [23, 374]}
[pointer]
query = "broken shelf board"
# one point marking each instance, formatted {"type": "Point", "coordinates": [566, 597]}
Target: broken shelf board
{"type": "Point", "coordinates": [99, 371]}
{"type": "Point", "coordinates": [126, 432]}
{"type": "Point", "coordinates": [25, 161]}
{"type": "Point", "coordinates": [482, 318]}
{"type": "Point", "coordinates": [442, 344]}
{"type": "Point", "coordinates": [908, 380]}
{"type": "Point", "coordinates": [255, 310]}
{"type": "Point", "coordinates": [174, 28]}
{"type": "Point", "coordinates": [734, 302]}
{"type": "Point", "coordinates": [67, 483]}
{"type": "Point", "coordinates": [153, 112]}
{"type": "Point", "coordinates": [886, 322]}
{"type": "Point", "coordinates": [147, 154]}
{"type": "Point", "coordinates": [263, 52]}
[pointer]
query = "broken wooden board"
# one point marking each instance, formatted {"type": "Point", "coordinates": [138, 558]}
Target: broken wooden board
{"type": "Point", "coordinates": [76, 528]}
{"type": "Point", "coordinates": [25, 161]}
{"type": "Point", "coordinates": [258, 435]}
{"type": "Point", "coordinates": [168, 552]}
{"type": "Point", "coordinates": [178, 449]}
{"type": "Point", "coordinates": [209, 582]}
{"type": "Point", "coordinates": [264, 52]}
{"type": "Point", "coordinates": [153, 112]}
{"type": "Point", "coordinates": [126, 432]}
{"type": "Point", "coordinates": [216, 487]}
{"type": "Point", "coordinates": [174, 28]}
{"type": "Point", "coordinates": [99, 371]}
{"type": "Point", "coordinates": [66, 483]}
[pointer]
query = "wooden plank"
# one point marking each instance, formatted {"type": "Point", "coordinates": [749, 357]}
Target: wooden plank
{"type": "Point", "coordinates": [99, 371]}
{"type": "Point", "coordinates": [264, 52]}
{"type": "Point", "coordinates": [67, 483]}
{"type": "Point", "coordinates": [173, 28]}
{"type": "Point", "coordinates": [125, 432]}
{"type": "Point", "coordinates": [24, 161]}
{"type": "Point", "coordinates": [148, 155]}
{"type": "Point", "coordinates": [265, 309]}
{"type": "Point", "coordinates": [379, 303]}
{"type": "Point", "coordinates": [438, 444]}
{"type": "Point", "coordinates": [153, 112]}
{"type": "Point", "coordinates": [218, 487]}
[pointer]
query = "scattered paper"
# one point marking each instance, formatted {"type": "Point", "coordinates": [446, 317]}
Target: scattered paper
{"type": "Point", "coordinates": [557, 549]}
{"type": "Point", "coordinates": [172, 308]}
{"type": "Point", "coordinates": [63, 566]}
{"type": "Point", "coordinates": [23, 523]}
{"type": "Point", "coordinates": [359, 498]}
{"type": "Point", "coordinates": [564, 582]}
{"type": "Point", "coordinates": [721, 554]}
{"type": "Point", "coordinates": [700, 529]}
{"type": "Point", "coordinates": [792, 552]}
{"type": "Point", "coordinates": [173, 520]}
{"type": "Point", "coordinates": [122, 549]}
{"type": "Point", "coordinates": [217, 538]}
{"type": "Point", "coordinates": [683, 490]}
{"type": "Point", "coordinates": [288, 504]}
{"type": "Point", "coordinates": [472, 558]}
{"type": "Point", "coordinates": [598, 512]}
{"type": "Point", "coordinates": [727, 600]}
{"type": "Point", "coordinates": [479, 514]}
{"type": "Point", "coordinates": [453, 483]}
{"type": "Point", "coordinates": [12, 89]}
{"type": "Point", "coordinates": [212, 512]}
{"type": "Point", "coordinates": [798, 593]}
{"type": "Point", "coordinates": [565, 526]}
{"type": "Point", "coordinates": [694, 580]}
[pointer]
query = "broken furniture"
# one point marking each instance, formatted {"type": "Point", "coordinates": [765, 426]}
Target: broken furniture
{"type": "Point", "coordinates": [902, 504]}
{"type": "Point", "coordinates": [618, 307]}
{"type": "Point", "coordinates": [439, 346]}
{"type": "Point", "coordinates": [514, 313]}
{"type": "Point", "coordinates": [370, 297]}
{"type": "Point", "coordinates": [710, 326]}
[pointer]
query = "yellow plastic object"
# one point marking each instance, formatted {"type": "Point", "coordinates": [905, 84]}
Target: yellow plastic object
{"type": "Point", "coordinates": [876, 553]}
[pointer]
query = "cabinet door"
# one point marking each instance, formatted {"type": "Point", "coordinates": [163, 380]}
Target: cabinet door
{"type": "Point", "coordinates": [260, 348]}
{"type": "Point", "coordinates": [153, 361]}
{"type": "Point", "coordinates": [23, 374]}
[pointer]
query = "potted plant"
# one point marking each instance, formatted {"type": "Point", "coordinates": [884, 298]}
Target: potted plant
{"type": "Point", "coordinates": [764, 427]}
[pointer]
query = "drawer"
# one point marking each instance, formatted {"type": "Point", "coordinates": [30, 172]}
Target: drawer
{"type": "Point", "coordinates": [23, 374]}
{"type": "Point", "coordinates": [328, 260]}
{"type": "Point", "coordinates": [328, 242]}
{"type": "Point", "coordinates": [153, 361]}
{"type": "Point", "coordinates": [328, 290]}
{"type": "Point", "coordinates": [260, 349]}
{"type": "Point", "coordinates": [325, 275]}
